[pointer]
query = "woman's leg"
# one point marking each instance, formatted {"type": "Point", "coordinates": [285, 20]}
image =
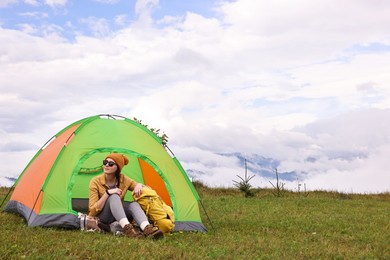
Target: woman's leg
{"type": "Point", "coordinates": [113, 210]}
{"type": "Point", "coordinates": [139, 216]}
{"type": "Point", "coordinates": [135, 211]}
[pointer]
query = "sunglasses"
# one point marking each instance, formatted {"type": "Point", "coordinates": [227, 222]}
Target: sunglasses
{"type": "Point", "coordinates": [110, 163]}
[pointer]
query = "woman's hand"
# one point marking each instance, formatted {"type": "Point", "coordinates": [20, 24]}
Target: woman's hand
{"type": "Point", "coordinates": [137, 190]}
{"type": "Point", "coordinates": [115, 190]}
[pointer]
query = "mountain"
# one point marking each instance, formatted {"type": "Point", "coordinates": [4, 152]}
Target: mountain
{"type": "Point", "coordinates": [7, 181]}
{"type": "Point", "coordinates": [256, 164]}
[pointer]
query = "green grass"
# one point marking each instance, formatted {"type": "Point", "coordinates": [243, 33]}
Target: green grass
{"type": "Point", "coordinates": [318, 225]}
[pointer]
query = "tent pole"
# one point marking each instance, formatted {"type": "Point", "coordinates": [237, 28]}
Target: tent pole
{"type": "Point", "coordinates": [35, 203]}
{"type": "Point", "coordinates": [6, 196]}
{"type": "Point", "coordinates": [166, 146]}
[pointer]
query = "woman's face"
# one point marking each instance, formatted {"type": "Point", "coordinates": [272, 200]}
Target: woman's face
{"type": "Point", "coordinates": [107, 168]}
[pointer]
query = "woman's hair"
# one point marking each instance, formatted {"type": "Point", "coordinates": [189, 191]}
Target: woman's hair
{"type": "Point", "coordinates": [118, 176]}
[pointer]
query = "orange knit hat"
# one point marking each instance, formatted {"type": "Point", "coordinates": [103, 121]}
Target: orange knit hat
{"type": "Point", "coordinates": [120, 159]}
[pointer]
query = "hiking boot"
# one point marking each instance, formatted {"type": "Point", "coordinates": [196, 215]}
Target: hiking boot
{"type": "Point", "coordinates": [153, 232]}
{"type": "Point", "coordinates": [130, 231]}
{"type": "Point", "coordinates": [103, 226]}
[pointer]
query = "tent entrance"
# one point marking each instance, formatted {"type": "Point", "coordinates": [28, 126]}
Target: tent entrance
{"type": "Point", "coordinates": [90, 166]}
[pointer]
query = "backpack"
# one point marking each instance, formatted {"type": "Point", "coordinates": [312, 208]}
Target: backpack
{"type": "Point", "coordinates": [156, 210]}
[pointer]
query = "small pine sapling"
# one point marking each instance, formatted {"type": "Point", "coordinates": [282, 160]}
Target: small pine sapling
{"type": "Point", "coordinates": [244, 184]}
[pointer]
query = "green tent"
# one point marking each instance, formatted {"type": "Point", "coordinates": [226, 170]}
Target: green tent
{"type": "Point", "coordinates": [53, 187]}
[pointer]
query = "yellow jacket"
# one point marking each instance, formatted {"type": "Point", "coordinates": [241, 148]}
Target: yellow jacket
{"type": "Point", "coordinates": [98, 186]}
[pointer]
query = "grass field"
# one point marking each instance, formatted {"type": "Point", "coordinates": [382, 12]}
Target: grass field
{"type": "Point", "coordinates": [316, 225]}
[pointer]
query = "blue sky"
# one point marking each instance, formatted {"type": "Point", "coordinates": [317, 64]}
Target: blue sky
{"type": "Point", "coordinates": [75, 17]}
{"type": "Point", "coordinates": [284, 80]}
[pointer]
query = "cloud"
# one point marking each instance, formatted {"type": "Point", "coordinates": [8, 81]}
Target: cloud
{"type": "Point", "coordinates": [37, 15]}
{"type": "Point", "coordinates": [370, 176]}
{"type": "Point", "coordinates": [17, 147]}
{"type": "Point", "coordinates": [51, 3]}
{"type": "Point", "coordinates": [5, 3]}
{"type": "Point", "coordinates": [143, 10]}
{"type": "Point", "coordinates": [98, 26]}
{"type": "Point", "coordinates": [5, 182]}
{"type": "Point", "coordinates": [306, 84]}
{"type": "Point", "coordinates": [120, 20]}
{"type": "Point", "coordinates": [325, 154]}
{"type": "Point", "coordinates": [299, 33]}
{"type": "Point", "coordinates": [107, 1]}
{"type": "Point", "coordinates": [19, 161]}
{"type": "Point", "coordinates": [55, 3]}
{"type": "Point", "coordinates": [32, 2]}
{"type": "Point", "coordinates": [346, 152]}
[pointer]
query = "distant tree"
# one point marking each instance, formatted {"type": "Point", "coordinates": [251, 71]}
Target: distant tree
{"type": "Point", "coordinates": [244, 184]}
{"type": "Point", "coordinates": [163, 137]}
{"type": "Point", "coordinates": [279, 189]}
{"type": "Point", "coordinates": [304, 193]}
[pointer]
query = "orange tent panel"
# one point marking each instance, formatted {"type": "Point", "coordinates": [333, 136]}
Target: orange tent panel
{"type": "Point", "coordinates": [36, 173]}
{"type": "Point", "coordinates": [153, 179]}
